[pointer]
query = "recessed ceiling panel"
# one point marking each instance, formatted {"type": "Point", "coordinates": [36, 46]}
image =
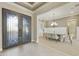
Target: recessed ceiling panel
{"type": "Point", "coordinates": [31, 5]}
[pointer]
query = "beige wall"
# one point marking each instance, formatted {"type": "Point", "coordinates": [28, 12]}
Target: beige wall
{"type": "Point", "coordinates": [0, 30]}
{"type": "Point", "coordinates": [14, 7]}
{"type": "Point", "coordinates": [34, 27]}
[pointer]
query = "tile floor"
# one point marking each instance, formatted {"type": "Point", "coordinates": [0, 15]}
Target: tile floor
{"type": "Point", "coordinates": [31, 49]}
{"type": "Point", "coordinates": [65, 47]}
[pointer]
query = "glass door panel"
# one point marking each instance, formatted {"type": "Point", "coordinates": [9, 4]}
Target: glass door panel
{"type": "Point", "coordinates": [26, 30]}
{"type": "Point", "coordinates": [12, 30]}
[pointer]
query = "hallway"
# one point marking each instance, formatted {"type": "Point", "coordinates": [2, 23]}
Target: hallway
{"type": "Point", "coordinates": [31, 49]}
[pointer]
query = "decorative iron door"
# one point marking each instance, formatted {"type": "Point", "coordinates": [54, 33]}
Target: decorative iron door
{"type": "Point", "coordinates": [10, 29]}
{"type": "Point", "coordinates": [16, 28]}
{"type": "Point", "coordinates": [26, 29]}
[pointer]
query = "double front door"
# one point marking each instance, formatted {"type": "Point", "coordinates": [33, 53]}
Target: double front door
{"type": "Point", "coordinates": [16, 28]}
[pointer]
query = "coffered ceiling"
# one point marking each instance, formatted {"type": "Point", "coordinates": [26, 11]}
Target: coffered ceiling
{"type": "Point", "coordinates": [31, 5]}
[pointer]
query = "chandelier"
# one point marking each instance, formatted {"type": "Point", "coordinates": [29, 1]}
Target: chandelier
{"type": "Point", "coordinates": [53, 24]}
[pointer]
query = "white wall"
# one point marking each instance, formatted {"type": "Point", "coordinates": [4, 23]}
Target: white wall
{"type": "Point", "coordinates": [14, 7]}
